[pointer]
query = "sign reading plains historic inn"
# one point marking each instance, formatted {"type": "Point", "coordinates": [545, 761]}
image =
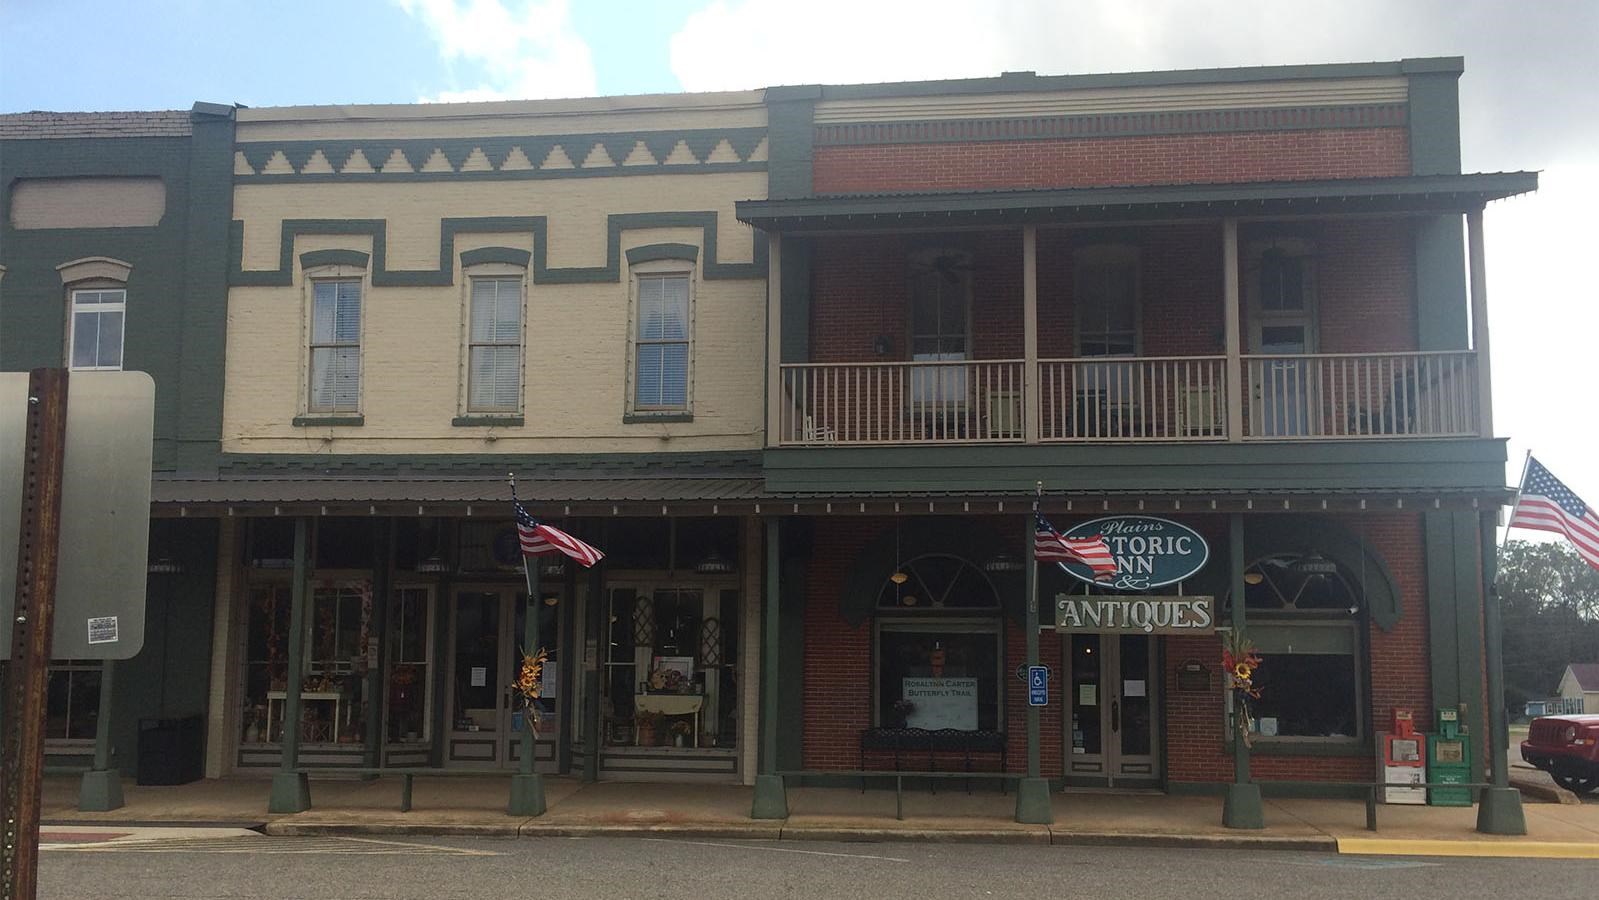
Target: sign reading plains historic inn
{"type": "Point", "coordinates": [1149, 553]}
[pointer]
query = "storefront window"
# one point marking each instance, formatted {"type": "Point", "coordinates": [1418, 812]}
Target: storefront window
{"type": "Point", "coordinates": [266, 661]}
{"type": "Point", "coordinates": [410, 617]}
{"type": "Point", "coordinates": [73, 699]}
{"type": "Point", "coordinates": [670, 666]}
{"type": "Point", "coordinates": [1305, 619]}
{"type": "Point", "coordinates": [334, 694]}
{"type": "Point", "coordinates": [935, 671]}
{"type": "Point", "coordinates": [939, 675]}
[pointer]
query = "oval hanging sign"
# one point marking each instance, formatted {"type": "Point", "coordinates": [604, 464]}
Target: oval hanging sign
{"type": "Point", "coordinates": [1149, 552]}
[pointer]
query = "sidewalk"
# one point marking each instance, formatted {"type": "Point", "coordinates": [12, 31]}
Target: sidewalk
{"type": "Point", "coordinates": [475, 806]}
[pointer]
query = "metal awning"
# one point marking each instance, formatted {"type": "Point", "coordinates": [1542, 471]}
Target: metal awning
{"type": "Point", "coordinates": [1416, 194]}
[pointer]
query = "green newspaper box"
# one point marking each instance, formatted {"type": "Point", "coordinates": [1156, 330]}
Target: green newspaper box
{"type": "Point", "coordinates": [1449, 761]}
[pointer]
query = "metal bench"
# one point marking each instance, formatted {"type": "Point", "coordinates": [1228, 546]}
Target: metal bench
{"type": "Point", "coordinates": [931, 742]}
{"type": "Point", "coordinates": [407, 774]}
{"type": "Point", "coordinates": [899, 777]}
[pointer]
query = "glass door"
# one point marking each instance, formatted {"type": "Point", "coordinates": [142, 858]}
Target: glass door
{"type": "Point", "coordinates": [1283, 325]}
{"type": "Point", "coordinates": [1112, 736]}
{"type": "Point", "coordinates": [479, 678]}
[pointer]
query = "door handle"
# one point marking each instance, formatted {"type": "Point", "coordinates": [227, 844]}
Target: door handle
{"type": "Point", "coordinates": [1115, 715]}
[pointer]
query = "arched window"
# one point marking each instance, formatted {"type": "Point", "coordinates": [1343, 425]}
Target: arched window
{"type": "Point", "coordinates": [940, 653]}
{"type": "Point", "coordinates": [1307, 618]}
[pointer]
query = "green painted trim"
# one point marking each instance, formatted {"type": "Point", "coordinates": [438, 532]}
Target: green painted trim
{"type": "Point", "coordinates": [328, 421]}
{"type": "Point", "coordinates": [798, 253]}
{"type": "Point", "coordinates": [656, 418]}
{"type": "Point", "coordinates": [701, 142]}
{"type": "Point", "coordinates": [514, 175]}
{"type": "Point", "coordinates": [1400, 194]}
{"type": "Point", "coordinates": [1442, 302]}
{"type": "Point", "coordinates": [1116, 125]}
{"type": "Point", "coordinates": [1028, 82]}
{"type": "Point", "coordinates": [878, 558]}
{"type": "Point", "coordinates": [1463, 464]}
{"type": "Point", "coordinates": [1292, 534]}
{"type": "Point", "coordinates": [510, 256]}
{"type": "Point", "coordinates": [486, 421]}
{"type": "Point", "coordinates": [444, 275]}
{"type": "Point", "coordinates": [1434, 122]}
{"type": "Point", "coordinates": [732, 463]}
{"type": "Point", "coordinates": [790, 119]}
{"type": "Point", "coordinates": [312, 258]}
{"type": "Point", "coordinates": [652, 252]}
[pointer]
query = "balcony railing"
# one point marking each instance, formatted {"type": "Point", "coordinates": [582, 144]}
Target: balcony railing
{"type": "Point", "coordinates": [1119, 399]}
{"type": "Point", "coordinates": [1348, 395]}
{"type": "Point", "coordinates": [954, 402]}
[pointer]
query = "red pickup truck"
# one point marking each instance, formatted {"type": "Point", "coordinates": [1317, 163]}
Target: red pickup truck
{"type": "Point", "coordinates": [1567, 747]}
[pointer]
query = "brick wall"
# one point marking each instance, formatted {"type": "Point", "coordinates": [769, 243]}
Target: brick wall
{"type": "Point", "coordinates": [1096, 162]}
{"type": "Point", "coordinates": [1364, 290]}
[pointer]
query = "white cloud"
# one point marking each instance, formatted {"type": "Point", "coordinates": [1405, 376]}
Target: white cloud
{"type": "Point", "coordinates": [517, 50]}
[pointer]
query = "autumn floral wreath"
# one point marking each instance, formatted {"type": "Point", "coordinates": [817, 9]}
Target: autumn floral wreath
{"type": "Point", "coordinates": [1239, 659]}
{"type": "Point", "coordinates": [530, 684]}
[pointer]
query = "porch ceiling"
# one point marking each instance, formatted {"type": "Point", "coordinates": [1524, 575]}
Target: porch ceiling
{"type": "Point", "coordinates": [1408, 194]}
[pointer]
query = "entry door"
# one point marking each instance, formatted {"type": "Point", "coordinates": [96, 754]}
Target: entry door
{"type": "Point", "coordinates": [485, 716]}
{"type": "Point", "coordinates": [1112, 734]}
{"type": "Point", "coordinates": [1283, 323]}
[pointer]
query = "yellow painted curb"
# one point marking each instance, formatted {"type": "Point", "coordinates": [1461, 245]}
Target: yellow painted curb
{"type": "Point", "coordinates": [1531, 849]}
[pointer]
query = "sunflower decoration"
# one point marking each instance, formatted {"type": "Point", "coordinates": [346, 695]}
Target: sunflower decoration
{"type": "Point", "coordinates": [530, 683]}
{"type": "Point", "coordinates": [1240, 661]}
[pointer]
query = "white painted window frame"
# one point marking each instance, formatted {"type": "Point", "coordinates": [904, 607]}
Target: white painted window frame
{"type": "Point", "coordinates": [492, 272]}
{"type": "Point", "coordinates": [311, 278]}
{"type": "Point", "coordinates": [664, 268]}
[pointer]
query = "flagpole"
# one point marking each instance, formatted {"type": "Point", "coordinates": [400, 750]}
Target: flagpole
{"type": "Point", "coordinates": [1520, 483]}
{"type": "Point", "coordinates": [527, 789]}
{"type": "Point", "coordinates": [1032, 793]}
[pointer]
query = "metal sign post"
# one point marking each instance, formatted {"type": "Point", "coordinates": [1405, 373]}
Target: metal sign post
{"type": "Point", "coordinates": [32, 622]}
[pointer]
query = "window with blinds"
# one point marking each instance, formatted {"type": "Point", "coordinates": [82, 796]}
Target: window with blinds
{"type": "Point", "coordinates": [494, 346]}
{"type": "Point", "coordinates": [336, 346]}
{"type": "Point", "coordinates": [661, 344]}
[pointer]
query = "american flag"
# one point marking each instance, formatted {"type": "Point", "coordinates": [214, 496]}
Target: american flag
{"type": "Point", "coordinates": [1546, 504]}
{"type": "Point", "coordinates": [538, 539]}
{"type": "Point", "coordinates": [1050, 545]}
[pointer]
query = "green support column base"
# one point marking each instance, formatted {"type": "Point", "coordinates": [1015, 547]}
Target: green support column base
{"type": "Point", "coordinates": [1500, 812]}
{"type": "Point", "coordinates": [527, 795]}
{"type": "Point", "coordinates": [1032, 802]}
{"type": "Point", "coordinates": [291, 793]}
{"type": "Point", "coordinates": [1243, 808]}
{"type": "Point", "coordinates": [771, 800]}
{"type": "Point", "coordinates": [101, 791]}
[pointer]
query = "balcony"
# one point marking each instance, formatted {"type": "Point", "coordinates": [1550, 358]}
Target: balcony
{"type": "Point", "coordinates": [1172, 399]}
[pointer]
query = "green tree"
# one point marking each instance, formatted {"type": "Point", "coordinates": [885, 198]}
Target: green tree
{"type": "Point", "coordinates": [1550, 602]}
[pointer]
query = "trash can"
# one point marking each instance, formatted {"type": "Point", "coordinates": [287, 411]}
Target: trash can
{"type": "Point", "coordinates": [171, 751]}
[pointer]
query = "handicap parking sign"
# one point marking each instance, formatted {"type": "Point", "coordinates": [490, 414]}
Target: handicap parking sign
{"type": "Point", "coordinates": [1037, 685]}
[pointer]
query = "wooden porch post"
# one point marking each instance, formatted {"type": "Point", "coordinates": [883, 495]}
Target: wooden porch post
{"type": "Point", "coordinates": [1231, 324]}
{"type": "Point", "coordinates": [1032, 412]}
{"type": "Point", "coordinates": [774, 339]}
{"type": "Point", "coordinates": [771, 801]}
{"type": "Point", "coordinates": [1479, 321]}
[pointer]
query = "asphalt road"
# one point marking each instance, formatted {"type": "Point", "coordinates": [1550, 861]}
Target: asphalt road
{"type": "Point", "coordinates": [613, 869]}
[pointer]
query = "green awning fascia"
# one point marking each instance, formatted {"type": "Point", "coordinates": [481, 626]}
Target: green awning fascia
{"type": "Point", "coordinates": [1405, 194]}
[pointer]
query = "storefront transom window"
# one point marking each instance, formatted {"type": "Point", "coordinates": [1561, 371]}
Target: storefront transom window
{"type": "Point", "coordinates": [939, 645]}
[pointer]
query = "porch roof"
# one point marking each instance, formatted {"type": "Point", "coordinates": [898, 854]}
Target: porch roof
{"type": "Point", "coordinates": [1403, 194]}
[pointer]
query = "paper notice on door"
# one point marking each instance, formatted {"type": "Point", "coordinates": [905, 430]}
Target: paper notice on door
{"type": "Point", "coordinates": [480, 676]}
{"type": "Point", "coordinates": [1088, 695]}
{"type": "Point", "coordinates": [1134, 689]}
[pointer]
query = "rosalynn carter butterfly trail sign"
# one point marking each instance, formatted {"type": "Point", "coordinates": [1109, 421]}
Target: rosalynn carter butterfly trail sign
{"type": "Point", "coordinates": [1149, 553]}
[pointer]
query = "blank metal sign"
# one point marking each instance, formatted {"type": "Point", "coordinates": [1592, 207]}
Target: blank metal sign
{"type": "Point", "coordinates": [105, 512]}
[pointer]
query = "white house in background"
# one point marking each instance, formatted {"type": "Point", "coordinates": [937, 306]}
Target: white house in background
{"type": "Point", "coordinates": [1581, 682]}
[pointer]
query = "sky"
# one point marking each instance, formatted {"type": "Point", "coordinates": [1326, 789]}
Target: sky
{"type": "Point", "coordinates": [1529, 97]}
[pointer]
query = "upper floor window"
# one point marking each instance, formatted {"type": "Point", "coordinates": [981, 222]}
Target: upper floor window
{"type": "Point", "coordinates": [941, 299]}
{"type": "Point", "coordinates": [1284, 280]}
{"type": "Point", "coordinates": [1107, 301]}
{"type": "Point", "coordinates": [662, 335]}
{"type": "Point", "coordinates": [494, 346]}
{"type": "Point", "coordinates": [98, 317]}
{"type": "Point", "coordinates": [335, 346]}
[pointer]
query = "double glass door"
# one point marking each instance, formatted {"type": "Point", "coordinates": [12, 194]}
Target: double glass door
{"type": "Point", "coordinates": [1112, 733]}
{"type": "Point", "coordinates": [485, 717]}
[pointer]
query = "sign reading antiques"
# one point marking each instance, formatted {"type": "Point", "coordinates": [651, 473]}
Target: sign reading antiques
{"type": "Point", "coordinates": [1135, 615]}
{"type": "Point", "coordinates": [1149, 552]}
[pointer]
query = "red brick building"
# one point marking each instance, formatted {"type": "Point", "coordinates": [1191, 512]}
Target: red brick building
{"type": "Point", "coordinates": [1226, 305]}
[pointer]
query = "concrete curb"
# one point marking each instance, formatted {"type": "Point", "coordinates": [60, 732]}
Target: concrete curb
{"type": "Point", "coordinates": [1038, 836]}
{"type": "Point", "coordinates": [1549, 793]}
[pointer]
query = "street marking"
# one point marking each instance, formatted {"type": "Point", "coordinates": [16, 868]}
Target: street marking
{"type": "Point", "coordinates": [777, 849]}
{"type": "Point", "coordinates": [1529, 849]}
{"type": "Point", "coordinates": [339, 845]}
